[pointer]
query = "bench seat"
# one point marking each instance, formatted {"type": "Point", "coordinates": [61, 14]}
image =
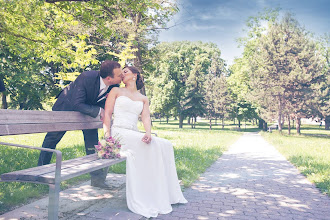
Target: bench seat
{"type": "Point", "coordinates": [70, 169]}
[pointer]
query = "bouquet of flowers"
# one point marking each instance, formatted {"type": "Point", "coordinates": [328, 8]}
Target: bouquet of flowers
{"type": "Point", "coordinates": [108, 148]}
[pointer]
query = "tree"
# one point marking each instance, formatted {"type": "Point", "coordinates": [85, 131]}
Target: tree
{"type": "Point", "coordinates": [28, 80]}
{"type": "Point", "coordinates": [160, 92]}
{"type": "Point", "coordinates": [71, 37]}
{"type": "Point", "coordinates": [37, 41]}
{"type": "Point", "coordinates": [217, 97]}
{"type": "Point", "coordinates": [194, 101]}
{"type": "Point", "coordinates": [321, 97]}
{"type": "Point", "coordinates": [243, 105]}
{"type": "Point", "coordinates": [183, 66]}
{"type": "Point", "coordinates": [286, 65]}
{"type": "Point", "coordinates": [113, 26]}
{"type": "Point", "coordinates": [239, 78]}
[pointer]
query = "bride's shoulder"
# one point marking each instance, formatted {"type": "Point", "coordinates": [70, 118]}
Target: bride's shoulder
{"type": "Point", "coordinates": [116, 90]}
{"type": "Point", "coordinates": [144, 98]}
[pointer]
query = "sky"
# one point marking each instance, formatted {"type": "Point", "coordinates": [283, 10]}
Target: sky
{"type": "Point", "coordinates": [222, 21]}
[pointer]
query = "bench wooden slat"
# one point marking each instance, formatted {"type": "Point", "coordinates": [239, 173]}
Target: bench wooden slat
{"type": "Point", "coordinates": [86, 164]}
{"type": "Point", "coordinates": [31, 116]}
{"type": "Point", "coordinates": [88, 167]}
{"type": "Point", "coordinates": [13, 129]}
{"type": "Point", "coordinates": [32, 174]}
{"type": "Point", "coordinates": [41, 170]}
{"type": "Point", "coordinates": [14, 122]}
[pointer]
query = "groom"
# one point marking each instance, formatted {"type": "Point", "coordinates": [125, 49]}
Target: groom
{"type": "Point", "coordinates": [87, 94]}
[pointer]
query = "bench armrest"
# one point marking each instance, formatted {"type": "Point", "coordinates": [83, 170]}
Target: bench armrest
{"type": "Point", "coordinates": [57, 152]}
{"type": "Point", "coordinates": [30, 147]}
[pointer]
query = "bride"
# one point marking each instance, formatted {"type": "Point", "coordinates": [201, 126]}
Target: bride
{"type": "Point", "coordinates": [151, 180]}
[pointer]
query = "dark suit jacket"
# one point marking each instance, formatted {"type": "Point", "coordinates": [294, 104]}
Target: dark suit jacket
{"type": "Point", "coordinates": [82, 95]}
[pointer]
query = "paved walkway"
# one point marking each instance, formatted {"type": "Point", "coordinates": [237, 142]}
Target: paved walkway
{"type": "Point", "coordinates": [250, 181]}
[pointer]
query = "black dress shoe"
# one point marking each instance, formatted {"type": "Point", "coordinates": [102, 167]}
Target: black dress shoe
{"type": "Point", "coordinates": [101, 185]}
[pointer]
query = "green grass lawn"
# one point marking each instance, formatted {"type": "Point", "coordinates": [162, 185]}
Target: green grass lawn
{"type": "Point", "coordinates": [195, 150]}
{"type": "Point", "coordinates": [309, 152]}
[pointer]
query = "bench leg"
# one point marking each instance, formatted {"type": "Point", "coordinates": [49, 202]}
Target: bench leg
{"type": "Point", "coordinates": [54, 194]}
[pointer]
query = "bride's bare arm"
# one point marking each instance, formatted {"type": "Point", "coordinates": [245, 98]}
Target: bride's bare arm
{"type": "Point", "coordinates": [145, 116]}
{"type": "Point", "coordinates": [108, 110]}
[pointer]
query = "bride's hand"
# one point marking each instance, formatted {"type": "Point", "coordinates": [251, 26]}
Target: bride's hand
{"type": "Point", "coordinates": [107, 134]}
{"type": "Point", "coordinates": [146, 138]}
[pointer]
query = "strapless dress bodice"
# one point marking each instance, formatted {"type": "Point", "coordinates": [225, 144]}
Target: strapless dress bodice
{"type": "Point", "coordinates": [126, 113]}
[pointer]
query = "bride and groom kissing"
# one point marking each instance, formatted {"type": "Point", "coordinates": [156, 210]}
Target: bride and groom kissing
{"type": "Point", "coordinates": [151, 179]}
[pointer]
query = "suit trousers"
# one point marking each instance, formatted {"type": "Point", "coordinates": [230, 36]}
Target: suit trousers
{"type": "Point", "coordinates": [90, 138]}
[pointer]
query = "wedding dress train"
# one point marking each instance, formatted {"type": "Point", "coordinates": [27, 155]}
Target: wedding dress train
{"type": "Point", "coordinates": [151, 179]}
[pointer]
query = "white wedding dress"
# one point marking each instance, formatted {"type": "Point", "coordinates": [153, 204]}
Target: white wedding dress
{"type": "Point", "coordinates": [151, 180]}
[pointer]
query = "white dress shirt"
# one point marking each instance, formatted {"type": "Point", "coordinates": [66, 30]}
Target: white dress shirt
{"type": "Point", "coordinates": [103, 89]}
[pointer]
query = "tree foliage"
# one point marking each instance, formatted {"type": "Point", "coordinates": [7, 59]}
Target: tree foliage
{"type": "Point", "coordinates": [179, 70]}
{"type": "Point", "coordinates": [280, 67]}
{"type": "Point", "coordinates": [70, 37]}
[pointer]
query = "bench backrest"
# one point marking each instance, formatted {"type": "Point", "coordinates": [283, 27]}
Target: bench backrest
{"type": "Point", "coordinates": [14, 122]}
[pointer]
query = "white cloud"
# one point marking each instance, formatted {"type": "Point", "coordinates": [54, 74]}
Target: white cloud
{"type": "Point", "coordinates": [201, 27]}
{"type": "Point", "coordinates": [222, 13]}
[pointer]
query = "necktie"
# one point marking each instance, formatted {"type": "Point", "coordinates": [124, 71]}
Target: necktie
{"type": "Point", "coordinates": [102, 91]}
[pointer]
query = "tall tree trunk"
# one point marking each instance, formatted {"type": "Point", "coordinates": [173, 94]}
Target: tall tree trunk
{"type": "Point", "coordinates": [298, 123]}
{"type": "Point", "coordinates": [327, 122]}
{"type": "Point", "coordinates": [210, 124]}
{"type": "Point", "coordinates": [293, 123]}
{"type": "Point", "coordinates": [289, 125]}
{"type": "Point", "coordinates": [4, 101]}
{"type": "Point", "coordinates": [138, 58]}
{"type": "Point", "coordinates": [261, 124]}
{"type": "Point", "coordinates": [195, 120]}
{"type": "Point", "coordinates": [279, 121]}
{"type": "Point", "coordinates": [167, 119]}
{"type": "Point", "coordinates": [264, 126]}
{"type": "Point", "coordinates": [180, 120]}
{"type": "Point", "coordinates": [239, 124]}
{"type": "Point", "coordinates": [223, 122]}
{"type": "Point", "coordinates": [188, 120]}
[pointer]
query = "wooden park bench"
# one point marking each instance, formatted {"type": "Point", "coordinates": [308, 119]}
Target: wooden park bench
{"type": "Point", "coordinates": [15, 122]}
{"type": "Point", "coordinates": [272, 127]}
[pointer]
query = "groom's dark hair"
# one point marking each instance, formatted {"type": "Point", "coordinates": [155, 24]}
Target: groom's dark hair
{"type": "Point", "coordinates": [107, 68]}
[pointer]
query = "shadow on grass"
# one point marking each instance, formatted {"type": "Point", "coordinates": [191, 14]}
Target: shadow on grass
{"type": "Point", "coordinates": [294, 134]}
{"type": "Point", "coordinates": [316, 135]}
{"type": "Point", "coordinates": [204, 126]}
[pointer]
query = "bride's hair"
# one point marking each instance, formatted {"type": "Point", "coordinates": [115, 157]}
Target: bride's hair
{"type": "Point", "coordinates": [139, 79]}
